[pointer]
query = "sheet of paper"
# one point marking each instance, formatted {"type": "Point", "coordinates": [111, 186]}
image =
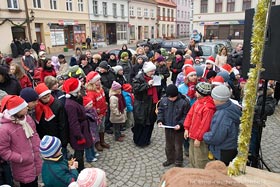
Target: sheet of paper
{"type": "Point", "coordinates": [168, 127]}
{"type": "Point", "coordinates": [157, 80]}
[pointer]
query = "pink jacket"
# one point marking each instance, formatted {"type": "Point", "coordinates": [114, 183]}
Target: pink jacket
{"type": "Point", "coordinates": [22, 153]}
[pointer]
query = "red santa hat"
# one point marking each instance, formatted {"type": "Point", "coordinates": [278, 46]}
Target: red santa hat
{"type": "Point", "coordinates": [188, 62]}
{"type": "Point", "coordinates": [127, 87]}
{"type": "Point", "coordinates": [13, 104]}
{"type": "Point", "coordinates": [71, 86]}
{"type": "Point", "coordinates": [86, 101]}
{"type": "Point", "coordinates": [92, 77]}
{"type": "Point", "coordinates": [218, 80]}
{"type": "Point", "coordinates": [42, 90]}
{"type": "Point", "coordinates": [188, 71]}
{"type": "Point", "coordinates": [227, 68]}
{"type": "Point", "coordinates": [210, 60]}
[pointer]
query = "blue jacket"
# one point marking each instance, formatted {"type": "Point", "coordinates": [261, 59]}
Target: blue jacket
{"type": "Point", "coordinates": [128, 101]}
{"type": "Point", "coordinates": [57, 173]}
{"type": "Point", "coordinates": [183, 89]}
{"type": "Point", "coordinates": [173, 113]}
{"type": "Point", "coordinates": [224, 129]}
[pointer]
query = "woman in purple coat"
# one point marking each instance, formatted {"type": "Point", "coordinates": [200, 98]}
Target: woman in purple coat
{"type": "Point", "coordinates": [19, 141]}
{"type": "Point", "coordinates": [80, 137]}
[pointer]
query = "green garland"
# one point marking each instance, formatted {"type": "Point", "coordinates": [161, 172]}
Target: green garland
{"type": "Point", "coordinates": [238, 165]}
{"type": "Point", "coordinates": [18, 25]}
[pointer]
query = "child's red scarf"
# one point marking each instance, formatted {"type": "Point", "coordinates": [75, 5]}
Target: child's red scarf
{"type": "Point", "coordinates": [152, 91]}
{"type": "Point", "coordinates": [44, 108]}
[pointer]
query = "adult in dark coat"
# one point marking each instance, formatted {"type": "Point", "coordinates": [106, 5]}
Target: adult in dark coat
{"type": "Point", "coordinates": [14, 50]}
{"type": "Point", "coordinates": [145, 102]}
{"type": "Point", "coordinates": [112, 60]}
{"type": "Point", "coordinates": [140, 60]}
{"type": "Point", "coordinates": [19, 47]}
{"type": "Point", "coordinates": [7, 83]}
{"type": "Point", "coordinates": [80, 137]}
{"type": "Point", "coordinates": [36, 46]}
{"type": "Point", "coordinates": [84, 64]}
{"type": "Point", "coordinates": [195, 48]}
{"type": "Point", "coordinates": [125, 49]}
{"type": "Point", "coordinates": [26, 44]}
{"type": "Point", "coordinates": [176, 66]}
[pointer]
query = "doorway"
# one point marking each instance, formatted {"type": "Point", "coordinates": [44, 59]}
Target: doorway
{"type": "Point", "coordinates": [18, 32]}
{"type": "Point", "coordinates": [139, 32]}
{"type": "Point", "coordinates": [69, 36]}
{"type": "Point", "coordinates": [111, 33]}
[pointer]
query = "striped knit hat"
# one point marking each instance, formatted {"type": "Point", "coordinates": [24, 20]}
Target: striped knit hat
{"type": "Point", "coordinates": [49, 146]}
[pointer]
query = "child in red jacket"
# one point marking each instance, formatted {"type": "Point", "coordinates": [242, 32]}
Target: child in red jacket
{"type": "Point", "coordinates": [48, 69]}
{"type": "Point", "coordinates": [197, 123]}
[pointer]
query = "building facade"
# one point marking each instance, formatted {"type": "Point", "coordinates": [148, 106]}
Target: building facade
{"type": "Point", "coordinates": [221, 18]}
{"type": "Point", "coordinates": [183, 15]}
{"type": "Point", "coordinates": [142, 20]}
{"type": "Point", "coordinates": [109, 21]}
{"type": "Point", "coordinates": [57, 24]}
{"type": "Point", "coordinates": [166, 19]}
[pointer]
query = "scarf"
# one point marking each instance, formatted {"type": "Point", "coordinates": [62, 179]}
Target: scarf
{"type": "Point", "coordinates": [44, 108]}
{"type": "Point", "coordinates": [178, 59]}
{"type": "Point", "coordinates": [121, 102]}
{"type": "Point", "coordinates": [191, 91]}
{"type": "Point", "coordinates": [26, 127]}
{"type": "Point", "coordinates": [152, 91]}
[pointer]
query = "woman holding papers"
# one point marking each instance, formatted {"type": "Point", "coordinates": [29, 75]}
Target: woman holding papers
{"type": "Point", "coordinates": [146, 97]}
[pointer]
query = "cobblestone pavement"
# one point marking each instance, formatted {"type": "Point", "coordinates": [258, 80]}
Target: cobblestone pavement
{"type": "Point", "coordinates": [128, 165]}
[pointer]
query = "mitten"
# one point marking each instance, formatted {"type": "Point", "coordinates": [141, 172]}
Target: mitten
{"type": "Point", "coordinates": [174, 70]}
{"type": "Point", "coordinates": [81, 141]}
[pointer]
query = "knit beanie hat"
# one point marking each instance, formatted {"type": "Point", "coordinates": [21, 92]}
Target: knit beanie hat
{"type": "Point", "coordinates": [160, 59]}
{"type": "Point", "coordinates": [3, 94]}
{"type": "Point", "coordinates": [71, 86]}
{"type": "Point", "coordinates": [199, 71]}
{"type": "Point", "coordinates": [42, 90]}
{"type": "Point", "coordinates": [49, 146]}
{"type": "Point", "coordinates": [50, 81]}
{"type": "Point", "coordinates": [124, 54]}
{"type": "Point", "coordinates": [144, 57]}
{"type": "Point", "coordinates": [171, 90]}
{"type": "Point", "coordinates": [116, 85]}
{"type": "Point", "coordinates": [127, 87]}
{"type": "Point", "coordinates": [227, 67]}
{"type": "Point", "coordinates": [104, 65]}
{"type": "Point", "coordinates": [221, 93]}
{"type": "Point", "coordinates": [179, 52]}
{"type": "Point", "coordinates": [8, 60]}
{"type": "Point", "coordinates": [203, 88]}
{"type": "Point", "coordinates": [149, 66]}
{"type": "Point", "coordinates": [189, 71]}
{"type": "Point", "coordinates": [218, 80]}
{"type": "Point", "coordinates": [29, 94]}
{"type": "Point", "coordinates": [117, 68]}
{"type": "Point", "coordinates": [92, 77]}
{"type": "Point", "coordinates": [225, 75]}
{"type": "Point", "coordinates": [211, 74]}
{"type": "Point", "coordinates": [86, 101]}
{"type": "Point", "coordinates": [210, 60]}
{"type": "Point", "coordinates": [91, 177]}
{"type": "Point", "coordinates": [13, 104]}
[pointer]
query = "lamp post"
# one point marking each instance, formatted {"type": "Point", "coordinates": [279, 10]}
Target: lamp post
{"type": "Point", "coordinates": [28, 20]}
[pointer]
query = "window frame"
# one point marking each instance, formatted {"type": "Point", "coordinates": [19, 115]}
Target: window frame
{"type": "Point", "coordinates": [114, 7]}
{"type": "Point", "coordinates": [203, 6]}
{"type": "Point", "coordinates": [152, 13]}
{"type": "Point", "coordinates": [80, 5]}
{"type": "Point", "coordinates": [146, 13]}
{"type": "Point", "coordinates": [122, 11]}
{"type": "Point", "coordinates": [131, 11]}
{"type": "Point", "coordinates": [218, 5]}
{"type": "Point", "coordinates": [69, 5]}
{"type": "Point", "coordinates": [105, 9]}
{"type": "Point", "coordinates": [95, 7]}
{"type": "Point", "coordinates": [53, 4]}
{"type": "Point", "coordinates": [139, 12]}
{"type": "Point", "coordinates": [230, 5]}
{"type": "Point", "coordinates": [36, 4]}
{"type": "Point", "coordinates": [245, 4]}
{"type": "Point", "coordinates": [12, 5]}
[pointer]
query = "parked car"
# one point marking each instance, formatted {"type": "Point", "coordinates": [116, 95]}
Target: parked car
{"type": "Point", "coordinates": [210, 49]}
{"type": "Point", "coordinates": [155, 43]}
{"type": "Point", "coordinates": [176, 44]}
{"type": "Point", "coordinates": [117, 50]}
{"type": "Point", "coordinates": [226, 43]}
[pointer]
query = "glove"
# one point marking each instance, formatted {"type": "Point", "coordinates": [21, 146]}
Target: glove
{"type": "Point", "coordinates": [81, 141]}
{"type": "Point", "coordinates": [174, 70]}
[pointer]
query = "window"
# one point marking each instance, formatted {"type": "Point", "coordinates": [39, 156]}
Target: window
{"type": "Point", "coordinates": [158, 11]}
{"type": "Point", "coordinates": [53, 4]}
{"type": "Point", "coordinates": [139, 12]}
{"type": "Point", "coordinates": [37, 3]}
{"type": "Point", "coordinates": [146, 14]}
{"type": "Point", "coordinates": [121, 31]}
{"type": "Point", "coordinates": [168, 13]}
{"type": "Point", "coordinates": [172, 29]}
{"type": "Point", "coordinates": [98, 32]}
{"type": "Point", "coordinates": [163, 29]}
{"type": "Point", "coordinates": [152, 14]}
{"type": "Point", "coordinates": [146, 32]}
{"type": "Point", "coordinates": [13, 4]}
{"type": "Point", "coordinates": [246, 4]}
{"type": "Point", "coordinates": [57, 35]}
{"type": "Point", "coordinates": [172, 13]}
{"type": "Point", "coordinates": [114, 10]}
{"type": "Point", "coordinates": [203, 6]}
{"type": "Point", "coordinates": [230, 5]}
{"type": "Point", "coordinates": [178, 13]}
{"type": "Point", "coordinates": [122, 11]}
{"type": "Point", "coordinates": [104, 6]}
{"type": "Point", "coordinates": [131, 11]}
{"type": "Point", "coordinates": [163, 12]}
{"type": "Point", "coordinates": [218, 5]}
{"type": "Point", "coordinates": [132, 32]}
{"type": "Point", "coordinates": [69, 5]}
{"type": "Point", "coordinates": [80, 5]}
{"type": "Point", "coordinates": [182, 14]}
{"type": "Point", "coordinates": [95, 7]}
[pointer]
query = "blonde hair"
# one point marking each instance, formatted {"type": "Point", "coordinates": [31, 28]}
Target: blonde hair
{"type": "Point", "coordinates": [18, 72]}
{"type": "Point", "coordinates": [92, 86]}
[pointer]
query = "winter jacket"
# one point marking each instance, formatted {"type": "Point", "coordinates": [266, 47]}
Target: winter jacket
{"type": "Point", "coordinates": [92, 118]}
{"type": "Point", "coordinates": [58, 126]}
{"type": "Point", "coordinates": [163, 71]}
{"type": "Point", "coordinates": [28, 63]}
{"type": "Point", "coordinates": [11, 86]}
{"type": "Point", "coordinates": [135, 70]}
{"type": "Point", "coordinates": [78, 124]}
{"type": "Point", "coordinates": [22, 153]}
{"type": "Point", "coordinates": [224, 129]}
{"type": "Point", "coordinates": [107, 79]}
{"type": "Point", "coordinates": [176, 68]}
{"type": "Point", "coordinates": [63, 69]}
{"type": "Point", "coordinates": [199, 117]}
{"type": "Point", "coordinates": [173, 113]}
{"type": "Point", "coordinates": [121, 79]}
{"type": "Point", "coordinates": [196, 53]}
{"type": "Point", "coordinates": [126, 50]}
{"type": "Point", "coordinates": [116, 116]}
{"type": "Point", "coordinates": [183, 89]}
{"type": "Point", "coordinates": [57, 173]}
{"type": "Point", "coordinates": [86, 68]}
{"type": "Point", "coordinates": [99, 101]}
{"type": "Point", "coordinates": [127, 66]}
{"type": "Point", "coordinates": [45, 73]}
{"type": "Point", "coordinates": [25, 81]}
{"type": "Point", "coordinates": [59, 95]}
{"type": "Point", "coordinates": [180, 79]}
{"type": "Point", "coordinates": [128, 101]}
